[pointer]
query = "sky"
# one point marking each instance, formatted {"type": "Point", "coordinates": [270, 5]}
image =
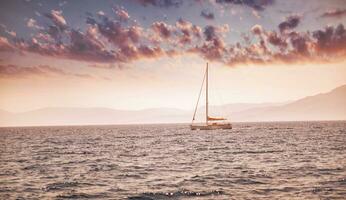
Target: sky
{"type": "Point", "coordinates": [138, 54]}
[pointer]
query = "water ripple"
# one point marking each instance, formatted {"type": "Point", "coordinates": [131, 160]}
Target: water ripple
{"type": "Point", "coordinates": [304, 160]}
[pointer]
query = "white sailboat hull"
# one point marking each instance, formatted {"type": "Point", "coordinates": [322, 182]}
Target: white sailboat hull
{"type": "Point", "coordinates": [211, 126]}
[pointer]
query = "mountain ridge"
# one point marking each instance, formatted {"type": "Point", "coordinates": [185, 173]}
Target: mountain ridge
{"type": "Point", "coordinates": [323, 106]}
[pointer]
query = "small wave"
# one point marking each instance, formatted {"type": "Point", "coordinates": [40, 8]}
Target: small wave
{"type": "Point", "coordinates": [166, 195]}
{"type": "Point", "coordinates": [270, 190]}
{"type": "Point", "coordinates": [339, 182]}
{"type": "Point", "coordinates": [8, 173]}
{"type": "Point", "coordinates": [246, 181]}
{"type": "Point", "coordinates": [59, 186]}
{"type": "Point", "coordinates": [63, 185]}
{"type": "Point", "coordinates": [74, 153]}
{"type": "Point", "coordinates": [131, 175]}
{"type": "Point", "coordinates": [7, 189]}
{"type": "Point", "coordinates": [31, 167]}
{"type": "Point", "coordinates": [129, 155]}
{"type": "Point", "coordinates": [81, 196]}
{"type": "Point", "coordinates": [21, 160]}
{"type": "Point", "coordinates": [256, 152]}
{"type": "Point", "coordinates": [104, 168]}
{"type": "Point", "coordinates": [338, 169]}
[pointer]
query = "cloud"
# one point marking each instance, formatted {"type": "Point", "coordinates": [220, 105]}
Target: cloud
{"type": "Point", "coordinates": [326, 45]}
{"type": "Point", "coordinates": [187, 32]}
{"type": "Point", "coordinates": [211, 32]}
{"type": "Point", "coordinates": [271, 47]}
{"type": "Point", "coordinates": [32, 23]}
{"type": "Point", "coordinates": [87, 47]}
{"type": "Point", "coordinates": [114, 40]}
{"type": "Point", "coordinates": [160, 3]}
{"type": "Point", "coordinates": [61, 4]}
{"type": "Point", "coordinates": [57, 19]}
{"type": "Point", "coordinates": [9, 32]}
{"type": "Point", "coordinates": [128, 41]}
{"type": "Point", "coordinates": [337, 13]}
{"type": "Point", "coordinates": [331, 41]}
{"type": "Point", "coordinates": [255, 4]}
{"type": "Point", "coordinates": [115, 32]}
{"type": "Point", "coordinates": [81, 46]}
{"type": "Point", "coordinates": [276, 40]}
{"type": "Point", "coordinates": [214, 47]}
{"type": "Point", "coordinates": [291, 22]}
{"type": "Point", "coordinates": [162, 29]}
{"type": "Point", "coordinates": [207, 15]}
{"type": "Point", "coordinates": [300, 43]}
{"type": "Point", "coordinates": [106, 40]}
{"type": "Point", "coordinates": [100, 13]}
{"type": "Point", "coordinates": [12, 33]}
{"type": "Point", "coordinates": [5, 45]}
{"type": "Point", "coordinates": [257, 29]}
{"type": "Point", "coordinates": [121, 13]}
{"type": "Point", "coordinates": [14, 71]}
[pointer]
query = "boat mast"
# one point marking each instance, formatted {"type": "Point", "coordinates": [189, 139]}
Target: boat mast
{"type": "Point", "coordinates": [206, 96]}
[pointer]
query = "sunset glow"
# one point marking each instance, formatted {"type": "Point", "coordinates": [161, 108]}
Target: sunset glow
{"type": "Point", "coordinates": [144, 54]}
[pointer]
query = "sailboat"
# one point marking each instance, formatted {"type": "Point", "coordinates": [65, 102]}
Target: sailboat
{"type": "Point", "coordinates": [211, 123]}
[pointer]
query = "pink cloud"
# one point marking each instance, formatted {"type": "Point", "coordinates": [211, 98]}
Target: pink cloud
{"type": "Point", "coordinates": [57, 19]}
{"type": "Point", "coordinates": [14, 71]}
{"type": "Point", "coordinates": [337, 13]}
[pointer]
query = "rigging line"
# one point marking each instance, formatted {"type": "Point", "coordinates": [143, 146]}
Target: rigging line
{"type": "Point", "coordinates": [199, 96]}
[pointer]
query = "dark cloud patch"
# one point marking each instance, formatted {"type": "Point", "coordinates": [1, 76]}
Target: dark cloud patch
{"type": "Point", "coordinates": [214, 50]}
{"type": "Point", "coordinates": [162, 29]}
{"type": "Point", "coordinates": [337, 13]}
{"type": "Point", "coordinates": [187, 32]}
{"type": "Point", "coordinates": [209, 32]}
{"type": "Point", "coordinates": [207, 15]}
{"type": "Point", "coordinates": [276, 40]}
{"type": "Point", "coordinates": [115, 32]}
{"type": "Point", "coordinates": [54, 32]}
{"type": "Point", "coordinates": [87, 47]}
{"type": "Point", "coordinates": [255, 4]}
{"type": "Point", "coordinates": [331, 40]}
{"type": "Point", "coordinates": [291, 22]}
{"type": "Point", "coordinates": [214, 47]}
{"type": "Point", "coordinates": [160, 3]}
{"type": "Point", "coordinates": [300, 43]}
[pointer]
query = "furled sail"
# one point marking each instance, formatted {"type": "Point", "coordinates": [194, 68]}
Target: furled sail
{"type": "Point", "coordinates": [216, 118]}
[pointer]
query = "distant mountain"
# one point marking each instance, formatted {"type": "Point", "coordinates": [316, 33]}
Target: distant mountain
{"type": "Point", "coordinates": [80, 116]}
{"type": "Point", "coordinates": [326, 106]}
{"type": "Point", "coordinates": [238, 107]}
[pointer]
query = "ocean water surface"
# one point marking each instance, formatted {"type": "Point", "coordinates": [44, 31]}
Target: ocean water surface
{"type": "Point", "coordinates": [287, 160]}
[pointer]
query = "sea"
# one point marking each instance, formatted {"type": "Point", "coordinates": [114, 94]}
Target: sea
{"type": "Point", "coordinates": [281, 160]}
